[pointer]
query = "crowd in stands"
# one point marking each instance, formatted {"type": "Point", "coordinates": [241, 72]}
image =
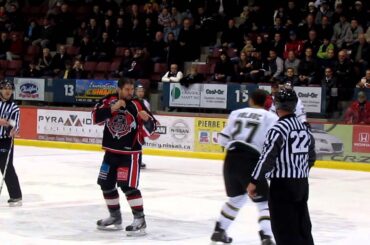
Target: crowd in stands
{"type": "Point", "coordinates": [306, 42]}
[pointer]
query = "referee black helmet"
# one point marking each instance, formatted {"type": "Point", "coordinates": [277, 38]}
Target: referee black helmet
{"type": "Point", "coordinates": [286, 99]}
{"type": "Point", "coordinates": [6, 83]}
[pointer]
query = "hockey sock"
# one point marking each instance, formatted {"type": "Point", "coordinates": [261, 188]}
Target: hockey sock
{"type": "Point", "coordinates": [264, 218]}
{"type": "Point", "coordinates": [135, 201]}
{"type": "Point", "coordinates": [112, 200]}
{"type": "Point", "coordinates": [230, 210]}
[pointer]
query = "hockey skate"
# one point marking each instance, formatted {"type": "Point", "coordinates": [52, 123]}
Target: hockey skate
{"type": "Point", "coordinates": [219, 235]}
{"type": "Point", "coordinates": [265, 239]}
{"type": "Point", "coordinates": [137, 228]}
{"type": "Point", "coordinates": [110, 224]}
{"type": "Point", "coordinates": [142, 165]}
{"type": "Point", "coordinates": [15, 202]}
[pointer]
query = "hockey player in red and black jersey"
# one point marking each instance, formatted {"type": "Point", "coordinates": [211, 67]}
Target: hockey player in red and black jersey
{"type": "Point", "coordinates": [126, 122]}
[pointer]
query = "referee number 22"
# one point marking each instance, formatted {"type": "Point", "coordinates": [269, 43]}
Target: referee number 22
{"type": "Point", "coordinates": [300, 141]}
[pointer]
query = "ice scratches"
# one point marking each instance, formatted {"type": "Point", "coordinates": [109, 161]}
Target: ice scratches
{"type": "Point", "coordinates": [329, 227]}
{"type": "Point", "coordinates": [78, 223]}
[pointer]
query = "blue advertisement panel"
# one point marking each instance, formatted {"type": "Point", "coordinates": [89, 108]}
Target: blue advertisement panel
{"type": "Point", "coordinates": [90, 91]}
{"type": "Point", "coordinates": [238, 95]}
{"type": "Point", "coordinates": [64, 90]}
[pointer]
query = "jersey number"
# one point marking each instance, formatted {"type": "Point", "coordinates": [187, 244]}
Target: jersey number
{"type": "Point", "coordinates": [300, 141]}
{"type": "Point", "coordinates": [253, 126]}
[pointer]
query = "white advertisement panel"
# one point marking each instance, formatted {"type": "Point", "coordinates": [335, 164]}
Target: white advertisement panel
{"type": "Point", "coordinates": [29, 89]}
{"type": "Point", "coordinates": [69, 126]}
{"type": "Point", "coordinates": [176, 133]}
{"type": "Point", "coordinates": [181, 96]}
{"type": "Point", "coordinates": [213, 96]}
{"type": "Point", "coordinates": [311, 98]}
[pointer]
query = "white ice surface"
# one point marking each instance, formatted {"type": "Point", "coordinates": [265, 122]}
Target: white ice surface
{"type": "Point", "coordinates": [182, 199]}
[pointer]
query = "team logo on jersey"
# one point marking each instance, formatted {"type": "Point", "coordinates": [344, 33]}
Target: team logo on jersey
{"type": "Point", "coordinates": [121, 124]}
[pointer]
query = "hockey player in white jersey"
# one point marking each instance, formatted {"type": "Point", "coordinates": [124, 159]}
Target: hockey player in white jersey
{"type": "Point", "coordinates": [299, 109]}
{"type": "Point", "coordinates": [243, 138]}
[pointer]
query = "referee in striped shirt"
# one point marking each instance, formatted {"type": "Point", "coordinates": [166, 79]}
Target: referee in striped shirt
{"type": "Point", "coordinates": [287, 156]}
{"type": "Point", "coordinates": [9, 126]}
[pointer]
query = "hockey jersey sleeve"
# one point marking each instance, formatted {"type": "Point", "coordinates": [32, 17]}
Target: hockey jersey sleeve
{"type": "Point", "coordinates": [225, 135]}
{"type": "Point", "coordinates": [146, 128]}
{"type": "Point", "coordinates": [311, 152]}
{"type": "Point", "coordinates": [101, 111]}
{"type": "Point", "coordinates": [300, 112]}
{"type": "Point", "coordinates": [270, 151]}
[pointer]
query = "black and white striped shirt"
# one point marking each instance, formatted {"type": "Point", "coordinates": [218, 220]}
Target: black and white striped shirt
{"type": "Point", "coordinates": [8, 111]}
{"type": "Point", "coordinates": [288, 151]}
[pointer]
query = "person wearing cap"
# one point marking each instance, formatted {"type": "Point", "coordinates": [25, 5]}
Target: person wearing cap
{"type": "Point", "coordinates": [293, 44]}
{"type": "Point", "coordinates": [359, 111]}
{"type": "Point", "coordinates": [324, 10]}
{"type": "Point", "coordinates": [9, 127]}
{"type": "Point", "coordinates": [360, 13]}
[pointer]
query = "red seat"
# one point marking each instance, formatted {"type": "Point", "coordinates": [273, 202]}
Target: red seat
{"type": "Point", "coordinates": [72, 50]}
{"type": "Point", "coordinates": [89, 67]}
{"type": "Point", "coordinates": [13, 68]}
{"type": "Point", "coordinates": [101, 70]}
{"type": "Point", "coordinates": [203, 69]}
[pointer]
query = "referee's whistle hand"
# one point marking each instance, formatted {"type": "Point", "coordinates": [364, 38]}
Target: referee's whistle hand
{"type": "Point", "coordinates": [3, 122]}
{"type": "Point", "coordinates": [251, 190]}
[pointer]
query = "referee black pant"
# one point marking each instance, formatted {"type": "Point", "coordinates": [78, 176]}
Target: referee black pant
{"type": "Point", "coordinates": [290, 219]}
{"type": "Point", "coordinates": [11, 178]}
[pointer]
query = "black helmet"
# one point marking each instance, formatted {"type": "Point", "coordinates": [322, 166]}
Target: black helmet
{"type": "Point", "coordinates": [286, 99]}
{"type": "Point", "coordinates": [6, 83]}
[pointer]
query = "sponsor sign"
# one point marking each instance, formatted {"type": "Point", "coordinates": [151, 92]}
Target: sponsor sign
{"type": "Point", "coordinates": [70, 126]}
{"type": "Point", "coordinates": [361, 139]}
{"type": "Point", "coordinates": [310, 97]}
{"type": "Point", "coordinates": [29, 89]}
{"type": "Point", "coordinates": [175, 133]}
{"type": "Point", "coordinates": [206, 134]}
{"type": "Point", "coordinates": [213, 96]}
{"type": "Point", "coordinates": [92, 90]}
{"type": "Point", "coordinates": [181, 96]}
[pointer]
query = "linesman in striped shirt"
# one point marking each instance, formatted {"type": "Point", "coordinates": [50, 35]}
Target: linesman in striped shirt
{"type": "Point", "coordinates": [9, 126]}
{"type": "Point", "coordinates": [287, 156]}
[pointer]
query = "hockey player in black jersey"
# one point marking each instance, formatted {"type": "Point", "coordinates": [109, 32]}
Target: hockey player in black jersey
{"type": "Point", "coordinates": [126, 122]}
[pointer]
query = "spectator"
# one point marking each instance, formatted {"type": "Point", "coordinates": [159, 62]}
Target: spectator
{"type": "Point", "coordinates": [157, 48]}
{"type": "Point", "coordinates": [224, 69]}
{"type": "Point", "coordinates": [86, 49]}
{"type": "Point", "coordinates": [274, 66]}
{"type": "Point", "coordinates": [307, 69]}
{"type": "Point", "coordinates": [365, 81]}
{"type": "Point", "coordinates": [290, 77]}
{"type": "Point", "coordinates": [192, 77]}
{"type": "Point", "coordinates": [77, 71]}
{"type": "Point", "coordinates": [277, 44]}
{"type": "Point", "coordinates": [174, 28]}
{"type": "Point", "coordinates": [293, 44]}
{"type": "Point", "coordinates": [44, 62]}
{"type": "Point", "coordinates": [261, 45]}
{"type": "Point", "coordinates": [330, 83]}
{"type": "Point", "coordinates": [324, 10]}
{"type": "Point", "coordinates": [4, 45]}
{"type": "Point", "coordinates": [176, 16]}
{"type": "Point", "coordinates": [15, 48]}
{"type": "Point", "coordinates": [292, 62]}
{"type": "Point", "coordinates": [48, 34]}
{"type": "Point", "coordinates": [189, 42]}
{"type": "Point", "coordinates": [367, 34]}
{"type": "Point", "coordinates": [173, 51]}
{"type": "Point", "coordinates": [344, 72]}
{"type": "Point", "coordinates": [324, 48]}
{"type": "Point", "coordinates": [360, 54]}
{"type": "Point", "coordinates": [164, 18]}
{"type": "Point", "coordinates": [311, 9]}
{"type": "Point", "coordinates": [93, 30]}
{"type": "Point", "coordinates": [359, 111]}
{"type": "Point", "coordinates": [231, 36]}
{"type": "Point", "coordinates": [243, 67]}
{"type": "Point", "coordinates": [105, 48]}
{"type": "Point", "coordinates": [31, 70]}
{"type": "Point", "coordinates": [248, 47]}
{"type": "Point", "coordinates": [312, 42]}
{"type": "Point", "coordinates": [149, 32]}
{"type": "Point", "coordinates": [125, 64]}
{"type": "Point", "coordinates": [278, 27]}
{"type": "Point", "coordinates": [257, 71]}
{"type": "Point", "coordinates": [15, 19]}
{"type": "Point", "coordinates": [173, 75]}
{"type": "Point", "coordinates": [342, 32]}
{"type": "Point", "coordinates": [309, 25]}
{"type": "Point", "coordinates": [325, 30]}
{"type": "Point", "coordinates": [137, 34]}
{"type": "Point", "coordinates": [359, 12]}
{"type": "Point", "coordinates": [140, 65]}
{"type": "Point", "coordinates": [108, 28]}
{"type": "Point", "coordinates": [355, 32]}
{"type": "Point", "coordinates": [58, 63]}
{"type": "Point", "coordinates": [66, 23]}
{"type": "Point", "coordinates": [121, 34]}
{"type": "Point", "coordinates": [32, 31]}
{"type": "Point", "coordinates": [150, 12]}
{"type": "Point", "coordinates": [329, 61]}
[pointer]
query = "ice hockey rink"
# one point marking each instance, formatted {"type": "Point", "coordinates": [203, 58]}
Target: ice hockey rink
{"type": "Point", "coordinates": [182, 199]}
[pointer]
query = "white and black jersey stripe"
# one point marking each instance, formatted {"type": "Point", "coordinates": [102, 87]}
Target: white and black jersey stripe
{"type": "Point", "coordinates": [288, 151]}
{"type": "Point", "coordinates": [8, 111]}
